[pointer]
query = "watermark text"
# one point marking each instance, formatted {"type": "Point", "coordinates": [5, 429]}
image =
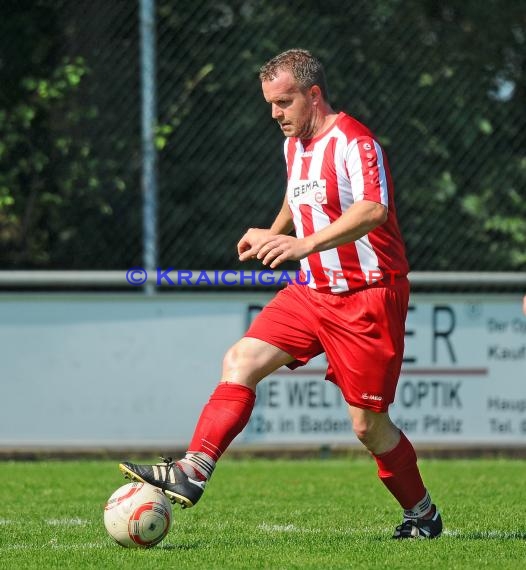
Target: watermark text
{"type": "Point", "coordinates": [172, 277]}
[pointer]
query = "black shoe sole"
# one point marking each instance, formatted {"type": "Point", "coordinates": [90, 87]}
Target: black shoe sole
{"type": "Point", "coordinates": [174, 497]}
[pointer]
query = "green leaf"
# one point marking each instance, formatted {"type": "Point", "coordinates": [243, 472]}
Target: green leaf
{"type": "Point", "coordinates": [425, 80]}
{"type": "Point", "coordinates": [485, 126]}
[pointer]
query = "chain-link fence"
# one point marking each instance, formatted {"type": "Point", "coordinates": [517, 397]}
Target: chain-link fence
{"type": "Point", "coordinates": [441, 83]}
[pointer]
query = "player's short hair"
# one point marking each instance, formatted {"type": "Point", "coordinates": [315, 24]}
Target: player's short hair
{"type": "Point", "coordinates": [306, 69]}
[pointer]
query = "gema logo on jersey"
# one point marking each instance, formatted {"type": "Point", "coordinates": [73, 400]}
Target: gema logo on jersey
{"type": "Point", "coordinates": [311, 192]}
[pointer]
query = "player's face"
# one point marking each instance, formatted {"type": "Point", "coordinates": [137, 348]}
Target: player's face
{"type": "Point", "coordinates": [292, 107]}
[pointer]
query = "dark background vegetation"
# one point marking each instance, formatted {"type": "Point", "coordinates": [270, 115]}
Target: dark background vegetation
{"type": "Point", "coordinates": [442, 83]}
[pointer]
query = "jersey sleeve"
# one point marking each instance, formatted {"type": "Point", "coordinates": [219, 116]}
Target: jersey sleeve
{"type": "Point", "coordinates": [365, 165]}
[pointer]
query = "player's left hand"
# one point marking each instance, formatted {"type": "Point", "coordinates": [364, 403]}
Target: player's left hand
{"type": "Point", "coordinates": [279, 248]}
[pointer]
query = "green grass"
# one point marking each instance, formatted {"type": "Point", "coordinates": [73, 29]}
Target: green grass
{"type": "Point", "coordinates": [276, 514]}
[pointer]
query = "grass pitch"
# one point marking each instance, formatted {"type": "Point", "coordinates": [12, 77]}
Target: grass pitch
{"type": "Point", "coordinates": [274, 514]}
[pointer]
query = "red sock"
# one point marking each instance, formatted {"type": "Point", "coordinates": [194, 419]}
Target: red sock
{"type": "Point", "coordinates": [399, 472]}
{"type": "Point", "coordinates": [224, 417]}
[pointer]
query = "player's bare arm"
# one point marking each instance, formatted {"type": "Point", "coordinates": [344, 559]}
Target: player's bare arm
{"type": "Point", "coordinates": [250, 244]}
{"type": "Point", "coordinates": [361, 218]}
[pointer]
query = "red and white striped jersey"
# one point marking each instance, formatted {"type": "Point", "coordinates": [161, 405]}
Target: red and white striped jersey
{"type": "Point", "coordinates": [326, 175]}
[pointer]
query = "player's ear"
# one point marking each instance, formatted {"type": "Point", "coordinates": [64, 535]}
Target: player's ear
{"type": "Point", "coordinates": [315, 92]}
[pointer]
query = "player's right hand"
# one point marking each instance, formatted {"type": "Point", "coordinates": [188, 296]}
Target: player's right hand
{"type": "Point", "coordinates": [249, 245]}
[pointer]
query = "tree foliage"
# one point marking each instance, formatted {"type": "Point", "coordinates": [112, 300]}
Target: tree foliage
{"type": "Point", "coordinates": [441, 83]}
{"type": "Point", "coordinates": [58, 192]}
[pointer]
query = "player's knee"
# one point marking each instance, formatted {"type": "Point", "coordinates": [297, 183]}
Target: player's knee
{"type": "Point", "coordinates": [239, 357]}
{"type": "Point", "coordinates": [232, 357]}
{"type": "Point", "coordinates": [368, 428]}
{"type": "Point", "coordinates": [363, 429]}
{"type": "Point", "coordinates": [250, 360]}
{"type": "Point", "coordinates": [375, 430]}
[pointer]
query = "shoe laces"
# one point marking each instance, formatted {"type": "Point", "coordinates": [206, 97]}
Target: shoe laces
{"type": "Point", "coordinates": [407, 524]}
{"type": "Point", "coordinates": [168, 462]}
{"type": "Point", "coordinates": [408, 528]}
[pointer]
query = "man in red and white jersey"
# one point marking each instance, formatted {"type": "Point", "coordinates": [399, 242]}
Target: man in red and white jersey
{"type": "Point", "coordinates": [340, 203]}
{"type": "Point", "coordinates": [339, 167]}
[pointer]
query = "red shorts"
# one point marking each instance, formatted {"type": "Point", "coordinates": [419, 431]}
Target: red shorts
{"type": "Point", "coordinates": [361, 333]}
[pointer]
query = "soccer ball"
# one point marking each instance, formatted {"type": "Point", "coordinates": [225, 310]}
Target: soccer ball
{"type": "Point", "coordinates": [138, 515]}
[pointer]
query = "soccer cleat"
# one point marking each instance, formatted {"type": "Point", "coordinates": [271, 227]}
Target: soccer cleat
{"type": "Point", "coordinates": [420, 528]}
{"type": "Point", "coordinates": [170, 478]}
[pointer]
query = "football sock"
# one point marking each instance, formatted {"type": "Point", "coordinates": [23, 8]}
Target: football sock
{"type": "Point", "coordinates": [197, 465]}
{"type": "Point", "coordinates": [223, 417]}
{"type": "Point", "coordinates": [421, 509]}
{"type": "Point", "coordinates": [399, 472]}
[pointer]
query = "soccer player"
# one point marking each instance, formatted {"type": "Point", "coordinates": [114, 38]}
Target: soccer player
{"type": "Point", "coordinates": [339, 200]}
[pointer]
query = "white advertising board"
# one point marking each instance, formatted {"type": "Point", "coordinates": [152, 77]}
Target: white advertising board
{"type": "Point", "coordinates": [463, 381]}
{"type": "Point", "coordinates": [111, 371]}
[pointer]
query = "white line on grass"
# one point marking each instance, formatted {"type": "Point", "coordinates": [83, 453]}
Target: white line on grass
{"type": "Point", "coordinates": [66, 522]}
{"type": "Point", "coordinates": [485, 534]}
{"type": "Point", "coordinates": [54, 546]}
{"type": "Point", "coordinates": [266, 527]}
{"type": "Point", "coordinates": [464, 535]}
{"type": "Point", "coordinates": [280, 528]}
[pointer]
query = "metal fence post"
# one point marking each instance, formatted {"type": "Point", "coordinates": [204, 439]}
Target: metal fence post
{"type": "Point", "coordinates": [149, 154]}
